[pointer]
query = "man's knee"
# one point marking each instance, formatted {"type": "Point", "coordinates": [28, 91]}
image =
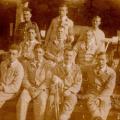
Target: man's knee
{"type": "Point", "coordinates": [63, 117]}
{"type": "Point", "coordinates": [97, 118]}
{"type": "Point", "coordinates": [25, 96]}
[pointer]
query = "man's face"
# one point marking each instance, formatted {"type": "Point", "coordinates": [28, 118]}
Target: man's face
{"type": "Point", "coordinates": [102, 60]}
{"type": "Point", "coordinates": [89, 35]}
{"type": "Point", "coordinates": [63, 11]}
{"type": "Point", "coordinates": [31, 34]}
{"type": "Point", "coordinates": [96, 22]}
{"type": "Point", "coordinates": [39, 53]}
{"type": "Point", "coordinates": [27, 16]}
{"type": "Point", "coordinates": [13, 54]}
{"type": "Point", "coordinates": [61, 34]}
{"type": "Point", "coordinates": [68, 57]}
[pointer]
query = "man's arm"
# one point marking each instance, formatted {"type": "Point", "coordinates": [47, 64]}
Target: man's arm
{"type": "Point", "coordinates": [75, 88]}
{"type": "Point", "coordinates": [71, 32]}
{"type": "Point", "coordinates": [37, 32]}
{"type": "Point", "coordinates": [109, 87]}
{"type": "Point", "coordinates": [17, 80]}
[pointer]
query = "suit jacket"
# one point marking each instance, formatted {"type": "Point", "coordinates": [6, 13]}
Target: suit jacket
{"type": "Point", "coordinates": [11, 76]}
{"type": "Point", "coordinates": [52, 31]}
{"type": "Point", "coordinates": [101, 83]}
{"type": "Point", "coordinates": [36, 75]}
{"type": "Point", "coordinates": [72, 81]}
{"type": "Point", "coordinates": [82, 49]}
{"type": "Point", "coordinates": [21, 32]}
{"type": "Point", "coordinates": [26, 48]}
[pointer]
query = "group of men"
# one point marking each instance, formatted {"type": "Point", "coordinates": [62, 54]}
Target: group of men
{"type": "Point", "coordinates": [51, 75]}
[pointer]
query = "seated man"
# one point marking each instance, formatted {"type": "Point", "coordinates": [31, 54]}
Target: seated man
{"type": "Point", "coordinates": [85, 55]}
{"type": "Point", "coordinates": [101, 80]}
{"type": "Point", "coordinates": [55, 49]}
{"type": "Point", "coordinates": [35, 86]}
{"type": "Point", "coordinates": [11, 75]}
{"type": "Point", "coordinates": [86, 49]}
{"type": "Point", "coordinates": [27, 46]}
{"type": "Point", "coordinates": [66, 84]}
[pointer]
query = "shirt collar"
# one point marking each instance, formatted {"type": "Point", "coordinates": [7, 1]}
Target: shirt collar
{"type": "Point", "coordinates": [11, 64]}
{"type": "Point", "coordinates": [63, 18]}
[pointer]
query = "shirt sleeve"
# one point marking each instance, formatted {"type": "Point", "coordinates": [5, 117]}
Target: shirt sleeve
{"type": "Point", "coordinates": [75, 88]}
{"type": "Point", "coordinates": [110, 85]}
{"type": "Point", "coordinates": [16, 84]}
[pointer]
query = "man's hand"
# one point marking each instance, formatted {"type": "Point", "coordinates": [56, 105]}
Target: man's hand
{"type": "Point", "coordinates": [67, 93]}
{"type": "Point", "coordinates": [97, 101]}
{"type": "Point", "coordinates": [33, 92]}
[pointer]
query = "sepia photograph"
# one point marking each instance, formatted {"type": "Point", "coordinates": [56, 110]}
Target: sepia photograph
{"type": "Point", "coordinates": [59, 59]}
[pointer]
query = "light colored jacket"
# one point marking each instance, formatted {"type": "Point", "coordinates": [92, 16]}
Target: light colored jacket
{"type": "Point", "coordinates": [36, 76]}
{"type": "Point", "coordinates": [52, 31]}
{"type": "Point", "coordinates": [72, 82]}
{"type": "Point", "coordinates": [11, 76]}
{"type": "Point", "coordinates": [101, 83]}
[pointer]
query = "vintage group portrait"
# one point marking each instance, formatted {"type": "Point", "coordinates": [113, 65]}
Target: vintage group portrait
{"type": "Point", "coordinates": [59, 60]}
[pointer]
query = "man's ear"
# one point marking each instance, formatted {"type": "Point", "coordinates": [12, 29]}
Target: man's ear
{"type": "Point", "coordinates": [30, 15]}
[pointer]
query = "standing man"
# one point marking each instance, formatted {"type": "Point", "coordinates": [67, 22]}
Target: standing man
{"type": "Point", "coordinates": [61, 20]}
{"type": "Point", "coordinates": [11, 75]}
{"type": "Point", "coordinates": [101, 85]}
{"type": "Point", "coordinates": [66, 84]}
{"type": "Point", "coordinates": [21, 32]}
{"type": "Point", "coordinates": [35, 86]}
{"type": "Point", "coordinates": [98, 33]}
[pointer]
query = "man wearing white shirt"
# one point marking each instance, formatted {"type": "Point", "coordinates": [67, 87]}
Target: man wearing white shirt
{"type": "Point", "coordinates": [61, 20]}
{"type": "Point", "coordinates": [11, 75]}
{"type": "Point", "coordinates": [27, 46]}
{"type": "Point", "coordinates": [35, 86]}
{"type": "Point", "coordinates": [98, 33]}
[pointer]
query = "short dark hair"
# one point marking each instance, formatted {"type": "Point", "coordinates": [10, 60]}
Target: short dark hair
{"type": "Point", "coordinates": [38, 46]}
{"type": "Point", "coordinates": [68, 49]}
{"type": "Point", "coordinates": [31, 28]}
{"type": "Point", "coordinates": [95, 17]}
{"type": "Point", "coordinates": [14, 47]}
{"type": "Point", "coordinates": [101, 53]}
{"type": "Point", "coordinates": [63, 5]}
{"type": "Point", "coordinates": [27, 9]}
